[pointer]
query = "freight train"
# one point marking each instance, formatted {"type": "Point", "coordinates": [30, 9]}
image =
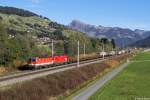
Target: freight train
{"type": "Point", "coordinates": [39, 62]}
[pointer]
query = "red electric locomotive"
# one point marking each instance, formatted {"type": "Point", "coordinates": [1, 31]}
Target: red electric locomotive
{"type": "Point", "coordinates": [38, 62]}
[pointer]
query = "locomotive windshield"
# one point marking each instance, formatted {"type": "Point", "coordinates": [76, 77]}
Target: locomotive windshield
{"type": "Point", "coordinates": [32, 59]}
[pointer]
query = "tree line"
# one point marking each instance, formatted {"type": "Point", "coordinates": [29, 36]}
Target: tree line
{"type": "Point", "coordinates": [16, 11]}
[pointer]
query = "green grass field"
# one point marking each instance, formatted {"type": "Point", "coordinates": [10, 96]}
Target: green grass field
{"type": "Point", "coordinates": [142, 56]}
{"type": "Point", "coordinates": [133, 82]}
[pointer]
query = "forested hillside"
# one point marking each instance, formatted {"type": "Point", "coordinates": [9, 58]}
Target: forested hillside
{"type": "Point", "coordinates": [16, 11]}
{"type": "Point", "coordinates": [24, 34]}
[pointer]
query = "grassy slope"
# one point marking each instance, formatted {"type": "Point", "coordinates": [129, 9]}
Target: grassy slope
{"type": "Point", "coordinates": [21, 25]}
{"type": "Point", "coordinates": [21, 22]}
{"type": "Point", "coordinates": [74, 36]}
{"type": "Point", "coordinates": [11, 20]}
{"type": "Point", "coordinates": [131, 83]}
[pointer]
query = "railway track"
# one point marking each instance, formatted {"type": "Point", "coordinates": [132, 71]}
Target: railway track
{"type": "Point", "coordinates": [29, 75]}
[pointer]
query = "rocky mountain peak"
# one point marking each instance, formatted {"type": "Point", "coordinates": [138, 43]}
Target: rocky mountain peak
{"type": "Point", "coordinates": [122, 36]}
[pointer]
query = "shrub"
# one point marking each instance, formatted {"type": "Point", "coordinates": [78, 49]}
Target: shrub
{"type": "Point", "coordinates": [112, 63]}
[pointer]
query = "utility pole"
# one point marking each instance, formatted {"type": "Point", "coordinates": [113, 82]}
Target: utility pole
{"type": "Point", "coordinates": [52, 48]}
{"type": "Point", "coordinates": [103, 51]}
{"type": "Point", "coordinates": [84, 49]}
{"type": "Point", "coordinates": [78, 58]}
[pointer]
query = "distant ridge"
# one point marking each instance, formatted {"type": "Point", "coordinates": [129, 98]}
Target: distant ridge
{"type": "Point", "coordinates": [122, 36]}
{"type": "Point", "coordinates": [142, 43]}
{"type": "Point", "coordinates": [16, 11]}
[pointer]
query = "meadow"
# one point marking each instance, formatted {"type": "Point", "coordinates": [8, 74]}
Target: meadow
{"type": "Point", "coordinates": [130, 84]}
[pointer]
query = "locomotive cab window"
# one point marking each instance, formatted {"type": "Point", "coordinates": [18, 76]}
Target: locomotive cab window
{"type": "Point", "coordinates": [32, 59]}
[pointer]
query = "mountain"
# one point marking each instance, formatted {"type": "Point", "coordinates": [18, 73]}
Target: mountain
{"type": "Point", "coordinates": [122, 36]}
{"type": "Point", "coordinates": [142, 43]}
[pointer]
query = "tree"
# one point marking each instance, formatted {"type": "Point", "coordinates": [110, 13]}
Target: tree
{"type": "Point", "coordinates": [94, 42]}
{"type": "Point", "coordinates": [3, 44]}
{"type": "Point", "coordinates": [58, 34]}
{"type": "Point", "coordinates": [56, 26]}
{"type": "Point", "coordinates": [113, 43]}
{"type": "Point", "coordinates": [16, 11]}
{"type": "Point", "coordinates": [1, 18]}
{"type": "Point", "coordinates": [12, 49]}
{"type": "Point", "coordinates": [104, 40]}
{"type": "Point", "coordinates": [66, 46]}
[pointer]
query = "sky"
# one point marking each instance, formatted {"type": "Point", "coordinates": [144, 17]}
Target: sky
{"type": "Point", "coordinates": [134, 14]}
